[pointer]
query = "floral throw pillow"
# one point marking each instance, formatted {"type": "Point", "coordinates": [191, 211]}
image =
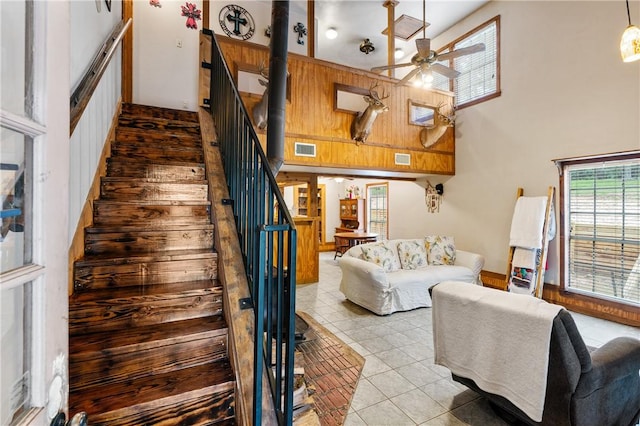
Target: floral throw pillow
{"type": "Point", "coordinates": [413, 254]}
{"type": "Point", "coordinates": [440, 250]}
{"type": "Point", "coordinates": [382, 256]}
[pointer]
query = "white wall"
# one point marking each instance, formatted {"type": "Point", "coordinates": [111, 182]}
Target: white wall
{"type": "Point", "coordinates": [164, 74]}
{"type": "Point", "coordinates": [565, 93]}
{"type": "Point", "coordinates": [89, 29]}
{"type": "Point", "coordinates": [260, 11]}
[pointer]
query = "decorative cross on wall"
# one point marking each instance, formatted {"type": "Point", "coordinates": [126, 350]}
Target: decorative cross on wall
{"type": "Point", "coordinates": [237, 21]}
{"type": "Point", "coordinates": [301, 30]}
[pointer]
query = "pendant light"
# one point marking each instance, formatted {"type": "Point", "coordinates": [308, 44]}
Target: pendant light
{"type": "Point", "coordinates": [630, 42]}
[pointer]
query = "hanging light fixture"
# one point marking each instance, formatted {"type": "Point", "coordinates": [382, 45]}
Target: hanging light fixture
{"type": "Point", "coordinates": [366, 46]}
{"type": "Point", "coordinates": [630, 42]}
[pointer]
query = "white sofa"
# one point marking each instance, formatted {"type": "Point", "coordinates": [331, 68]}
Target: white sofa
{"type": "Point", "coordinates": [370, 286]}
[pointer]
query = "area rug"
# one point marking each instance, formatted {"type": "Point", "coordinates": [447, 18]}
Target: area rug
{"type": "Point", "coordinates": [332, 368]}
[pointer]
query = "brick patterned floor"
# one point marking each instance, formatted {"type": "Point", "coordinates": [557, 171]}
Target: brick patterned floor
{"type": "Point", "coordinates": [333, 368]}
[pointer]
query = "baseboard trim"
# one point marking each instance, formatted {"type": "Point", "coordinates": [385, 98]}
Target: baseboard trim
{"type": "Point", "coordinates": [604, 309]}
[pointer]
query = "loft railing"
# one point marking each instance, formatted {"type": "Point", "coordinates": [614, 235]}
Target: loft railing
{"type": "Point", "coordinates": [267, 239]}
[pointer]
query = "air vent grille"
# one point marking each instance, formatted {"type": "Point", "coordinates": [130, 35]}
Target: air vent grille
{"type": "Point", "coordinates": [403, 159]}
{"type": "Point", "coordinates": [305, 149]}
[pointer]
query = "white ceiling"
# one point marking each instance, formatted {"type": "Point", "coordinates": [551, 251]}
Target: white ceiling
{"type": "Point", "coordinates": [356, 20]}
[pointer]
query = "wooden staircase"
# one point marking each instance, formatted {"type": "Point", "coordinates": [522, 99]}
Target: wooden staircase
{"type": "Point", "coordinates": [147, 335]}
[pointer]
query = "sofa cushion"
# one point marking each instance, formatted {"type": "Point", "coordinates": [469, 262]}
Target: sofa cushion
{"type": "Point", "coordinates": [440, 250]}
{"type": "Point", "coordinates": [412, 254]}
{"type": "Point", "coordinates": [382, 255]}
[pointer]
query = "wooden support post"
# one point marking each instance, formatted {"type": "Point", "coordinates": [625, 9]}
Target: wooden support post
{"type": "Point", "coordinates": [391, 37]}
{"type": "Point", "coordinates": [127, 53]}
{"type": "Point", "coordinates": [311, 26]}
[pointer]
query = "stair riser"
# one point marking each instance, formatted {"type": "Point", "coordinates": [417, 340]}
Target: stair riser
{"type": "Point", "coordinates": [217, 409]}
{"type": "Point", "coordinates": [150, 191]}
{"type": "Point", "coordinates": [147, 241]}
{"type": "Point", "coordinates": [134, 137]}
{"type": "Point", "coordinates": [139, 311]}
{"type": "Point", "coordinates": [148, 273]}
{"type": "Point", "coordinates": [100, 368]}
{"type": "Point", "coordinates": [155, 393]}
{"type": "Point", "coordinates": [160, 125]}
{"type": "Point", "coordinates": [154, 171]}
{"type": "Point", "coordinates": [112, 213]}
{"type": "Point", "coordinates": [157, 153]}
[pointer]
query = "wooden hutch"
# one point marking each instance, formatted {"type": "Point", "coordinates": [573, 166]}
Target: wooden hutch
{"type": "Point", "coordinates": [352, 215]}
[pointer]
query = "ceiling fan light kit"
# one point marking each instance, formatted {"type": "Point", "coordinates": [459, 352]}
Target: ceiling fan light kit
{"type": "Point", "coordinates": [630, 42]}
{"type": "Point", "coordinates": [366, 46]}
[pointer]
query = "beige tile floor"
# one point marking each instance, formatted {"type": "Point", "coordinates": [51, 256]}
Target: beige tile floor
{"type": "Point", "coordinates": [400, 384]}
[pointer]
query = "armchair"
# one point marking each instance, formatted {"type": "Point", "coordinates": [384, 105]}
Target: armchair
{"type": "Point", "coordinates": [582, 388]}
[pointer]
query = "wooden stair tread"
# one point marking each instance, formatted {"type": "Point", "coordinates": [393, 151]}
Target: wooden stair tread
{"type": "Point", "coordinates": [77, 300]}
{"type": "Point", "coordinates": [122, 259]}
{"type": "Point", "coordinates": [158, 162]}
{"type": "Point", "coordinates": [125, 135]}
{"type": "Point", "coordinates": [154, 111]}
{"type": "Point", "coordinates": [150, 354]}
{"type": "Point", "coordinates": [214, 376]}
{"type": "Point", "coordinates": [146, 229]}
{"type": "Point", "coordinates": [137, 181]}
{"type": "Point", "coordinates": [146, 336]}
{"type": "Point", "coordinates": [137, 203]}
{"type": "Point", "coordinates": [118, 313]}
{"type": "Point", "coordinates": [178, 145]}
{"type": "Point", "coordinates": [153, 124]}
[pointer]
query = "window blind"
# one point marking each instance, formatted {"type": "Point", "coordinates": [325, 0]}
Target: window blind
{"type": "Point", "coordinates": [603, 249]}
{"type": "Point", "coordinates": [478, 71]}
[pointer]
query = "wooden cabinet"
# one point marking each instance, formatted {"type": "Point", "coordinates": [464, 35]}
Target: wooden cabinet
{"type": "Point", "coordinates": [352, 215]}
{"type": "Point", "coordinates": [304, 206]}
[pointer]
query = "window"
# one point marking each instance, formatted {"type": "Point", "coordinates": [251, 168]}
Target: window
{"type": "Point", "coordinates": [21, 273]}
{"type": "Point", "coordinates": [479, 78]}
{"type": "Point", "coordinates": [602, 227]}
{"type": "Point", "coordinates": [377, 210]}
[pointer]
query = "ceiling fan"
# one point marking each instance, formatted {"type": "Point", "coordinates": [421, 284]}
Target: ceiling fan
{"type": "Point", "coordinates": [425, 61]}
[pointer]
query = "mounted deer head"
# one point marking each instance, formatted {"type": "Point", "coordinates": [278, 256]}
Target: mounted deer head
{"type": "Point", "coordinates": [361, 125]}
{"type": "Point", "coordinates": [261, 109]}
{"type": "Point", "coordinates": [442, 120]}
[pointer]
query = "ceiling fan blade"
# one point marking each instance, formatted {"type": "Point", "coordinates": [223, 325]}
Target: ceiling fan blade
{"type": "Point", "coordinates": [446, 71]}
{"type": "Point", "coordinates": [461, 52]}
{"type": "Point", "coordinates": [424, 47]}
{"type": "Point", "coordinates": [389, 67]}
{"type": "Point", "coordinates": [408, 77]}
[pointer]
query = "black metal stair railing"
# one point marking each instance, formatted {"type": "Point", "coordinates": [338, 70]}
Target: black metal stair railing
{"type": "Point", "coordinates": [267, 239]}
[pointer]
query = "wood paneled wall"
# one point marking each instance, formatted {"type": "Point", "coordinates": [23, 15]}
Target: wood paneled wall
{"type": "Point", "coordinates": [311, 117]}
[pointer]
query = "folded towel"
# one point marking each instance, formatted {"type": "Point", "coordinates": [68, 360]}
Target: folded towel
{"type": "Point", "coordinates": [524, 258]}
{"type": "Point", "coordinates": [508, 354]}
{"type": "Point", "coordinates": [527, 223]}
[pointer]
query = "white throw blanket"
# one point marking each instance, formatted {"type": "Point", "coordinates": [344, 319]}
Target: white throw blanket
{"type": "Point", "coordinates": [497, 339]}
{"type": "Point", "coordinates": [527, 223]}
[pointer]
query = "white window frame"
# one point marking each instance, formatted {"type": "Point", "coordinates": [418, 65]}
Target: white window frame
{"type": "Point", "coordinates": [368, 208]}
{"type": "Point", "coordinates": [34, 272]}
